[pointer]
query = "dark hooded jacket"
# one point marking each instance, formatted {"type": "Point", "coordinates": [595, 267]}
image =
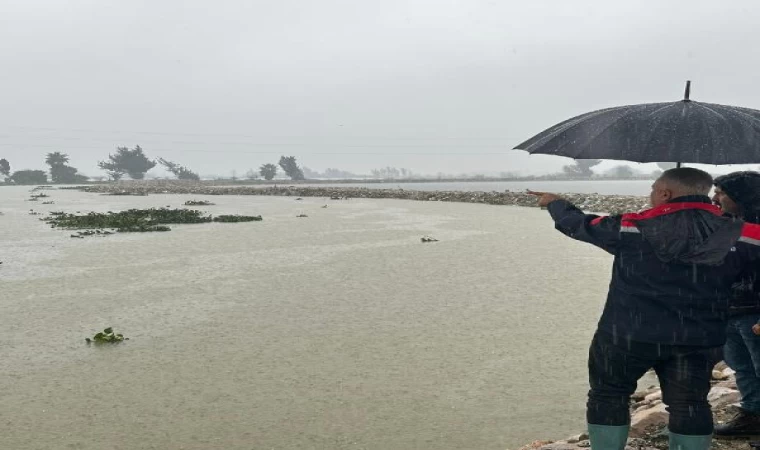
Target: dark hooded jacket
{"type": "Point", "coordinates": [673, 269]}
{"type": "Point", "coordinates": [744, 190]}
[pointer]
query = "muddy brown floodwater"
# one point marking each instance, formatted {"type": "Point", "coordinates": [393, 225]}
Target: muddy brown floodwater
{"type": "Point", "coordinates": [340, 330]}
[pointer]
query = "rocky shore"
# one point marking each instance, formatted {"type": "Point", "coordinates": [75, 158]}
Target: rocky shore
{"type": "Point", "coordinates": [649, 418]}
{"type": "Point", "coordinates": [587, 202]}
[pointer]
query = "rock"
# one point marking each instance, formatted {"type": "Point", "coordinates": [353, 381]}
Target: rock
{"type": "Point", "coordinates": [558, 446]}
{"type": "Point", "coordinates": [718, 375]}
{"type": "Point", "coordinates": [535, 445]}
{"type": "Point", "coordinates": [578, 438]}
{"type": "Point", "coordinates": [721, 396]}
{"type": "Point", "coordinates": [730, 383]}
{"type": "Point", "coordinates": [657, 395]}
{"type": "Point", "coordinates": [640, 421]}
{"type": "Point", "coordinates": [639, 395]}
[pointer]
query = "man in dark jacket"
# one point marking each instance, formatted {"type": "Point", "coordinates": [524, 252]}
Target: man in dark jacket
{"type": "Point", "coordinates": [667, 303]}
{"type": "Point", "coordinates": [738, 194]}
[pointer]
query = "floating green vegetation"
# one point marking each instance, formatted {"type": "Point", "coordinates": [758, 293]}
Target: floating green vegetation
{"type": "Point", "coordinates": [198, 203]}
{"type": "Point", "coordinates": [128, 193]}
{"type": "Point", "coordinates": [106, 336]}
{"type": "Point", "coordinates": [40, 196]}
{"type": "Point", "coordinates": [84, 234]}
{"type": "Point", "coordinates": [236, 218]}
{"type": "Point", "coordinates": [138, 220]}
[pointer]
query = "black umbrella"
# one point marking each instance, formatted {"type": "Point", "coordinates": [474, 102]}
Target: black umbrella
{"type": "Point", "coordinates": [682, 131]}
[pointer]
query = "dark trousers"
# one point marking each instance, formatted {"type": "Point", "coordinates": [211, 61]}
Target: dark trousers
{"type": "Point", "coordinates": [616, 364]}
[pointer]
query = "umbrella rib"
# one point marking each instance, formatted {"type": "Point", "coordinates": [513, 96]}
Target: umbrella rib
{"type": "Point", "coordinates": [660, 109]}
{"type": "Point", "coordinates": [653, 134]}
{"type": "Point", "coordinates": [709, 109]}
{"type": "Point", "coordinates": [570, 124]}
{"type": "Point", "coordinates": [630, 111]}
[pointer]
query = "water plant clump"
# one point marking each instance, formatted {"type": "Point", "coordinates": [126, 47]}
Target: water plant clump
{"type": "Point", "coordinates": [229, 218]}
{"type": "Point", "coordinates": [128, 194]}
{"type": "Point", "coordinates": [138, 220]}
{"type": "Point", "coordinates": [143, 229]}
{"type": "Point", "coordinates": [106, 336]}
{"type": "Point", "coordinates": [129, 220]}
{"type": "Point", "coordinates": [198, 203]}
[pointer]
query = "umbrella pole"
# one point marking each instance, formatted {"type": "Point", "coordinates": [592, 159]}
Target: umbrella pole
{"type": "Point", "coordinates": [678, 165]}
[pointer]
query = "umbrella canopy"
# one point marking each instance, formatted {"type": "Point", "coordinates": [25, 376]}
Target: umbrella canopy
{"type": "Point", "coordinates": [682, 131]}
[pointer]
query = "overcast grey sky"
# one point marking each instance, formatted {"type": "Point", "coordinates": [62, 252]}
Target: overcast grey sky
{"type": "Point", "coordinates": [431, 85]}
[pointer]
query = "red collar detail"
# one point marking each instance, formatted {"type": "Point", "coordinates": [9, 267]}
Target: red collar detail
{"type": "Point", "coordinates": [669, 208]}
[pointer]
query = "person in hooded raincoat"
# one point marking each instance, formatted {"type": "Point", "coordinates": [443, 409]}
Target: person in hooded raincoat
{"type": "Point", "coordinates": [667, 304]}
{"type": "Point", "coordinates": [738, 194]}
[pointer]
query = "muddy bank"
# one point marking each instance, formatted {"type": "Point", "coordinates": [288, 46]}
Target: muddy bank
{"type": "Point", "coordinates": [588, 202]}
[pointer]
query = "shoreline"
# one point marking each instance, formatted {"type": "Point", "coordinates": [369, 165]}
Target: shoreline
{"type": "Point", "coordinates": [588, 202]}
{"type": "Point", "coordinates": [649, 418]}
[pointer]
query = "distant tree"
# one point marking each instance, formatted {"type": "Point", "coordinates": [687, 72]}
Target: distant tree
{"type": "Point", "coordinates": [114, 172]}
{"type": "Point", "coordinates": [337, 173]}
{"type": "Point", "coordinates": [621, 172]}
{"type": "Point", "coordinates": [181, 172]}
{"type": "Point", "coordinates": [60, 172]}
{"type": "Point", "coordinates": [268, 171]}
{"type": "Point", "coordinates": [290, 167]}
{"type": "Point", "coordinates": [581, 168]}
{"type": "Point", "coordinates": [56, 159]}
{"type": "Point", "coordinates": [132, 162]}
{"type": "Point", "coordinates": [392, 173]}
{"type": "Point", "coordinates": [66, 175]}
{"type": "Point", "coordinates": [251, 175]}
{"type": "Point", "coordinates": [666, 165]}
{"type": "Point", "coordinates": [308, 173]}
{"type": "Point", "coordinates": [29, 177]}
{"type": "Point", "coordinates": [5, 167]}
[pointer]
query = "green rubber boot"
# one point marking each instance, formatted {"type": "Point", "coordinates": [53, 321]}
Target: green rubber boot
{"type": "Point", "coordinates": [684, 442]}
{"type": "Point", "coordinates": [608, 437]}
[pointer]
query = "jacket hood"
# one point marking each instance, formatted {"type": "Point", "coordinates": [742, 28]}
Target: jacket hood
{"type": "Point", "coordinates": [744, 190]}
{"type": "Point", "coordinates": [688, 230]}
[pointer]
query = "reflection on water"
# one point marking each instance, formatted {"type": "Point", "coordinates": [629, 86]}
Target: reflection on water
{"type": "Point", "coordinates": [340, 330]}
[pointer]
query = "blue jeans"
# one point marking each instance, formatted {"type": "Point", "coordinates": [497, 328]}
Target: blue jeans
{"type": "Point", "coordinates": [742, 353]}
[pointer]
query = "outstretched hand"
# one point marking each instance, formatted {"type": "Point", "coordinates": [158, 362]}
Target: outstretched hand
{"type": "Point", "coordinates": [544, 198]}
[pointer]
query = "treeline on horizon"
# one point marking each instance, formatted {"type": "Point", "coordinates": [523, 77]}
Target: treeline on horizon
{"type": "Point", "coordinates": [135, 164]}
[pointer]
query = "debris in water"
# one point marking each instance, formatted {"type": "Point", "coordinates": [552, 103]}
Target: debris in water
{"type": "Point", "coordinates": [106, 336]}
{"type": "Point", "coordinates": [198, 203]}
{"type": "Point", "coordinates": [428, 239]}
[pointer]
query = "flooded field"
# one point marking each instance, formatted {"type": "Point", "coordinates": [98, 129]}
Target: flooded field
{"type": "Point", "coordinates": [340, 330]}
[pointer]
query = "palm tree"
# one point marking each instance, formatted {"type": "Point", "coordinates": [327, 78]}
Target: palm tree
{"type": "Point", "coordinates": [57, 159]}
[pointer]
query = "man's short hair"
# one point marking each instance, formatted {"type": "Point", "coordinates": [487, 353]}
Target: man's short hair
{"type": "Point", "coordinates": [688, 180]}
